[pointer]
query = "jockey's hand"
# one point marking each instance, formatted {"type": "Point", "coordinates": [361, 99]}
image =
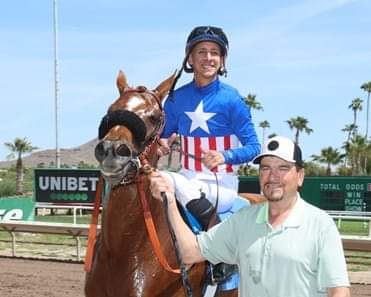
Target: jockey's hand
{"type": "Point", "coordinates": [161, 183]}
{"type": "Point", "coordinates": [212, 158]}
{"type": "Point", "coordinates": [165, 144]}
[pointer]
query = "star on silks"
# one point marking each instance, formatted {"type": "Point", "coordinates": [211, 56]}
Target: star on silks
{"type": "Point", "coordinates": [199, 118]}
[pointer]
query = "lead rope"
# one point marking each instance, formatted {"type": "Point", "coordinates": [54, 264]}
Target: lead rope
{"type": "Point", "coordinates": [183, 270]}
{"type": "Point", "coordinates": [151, 230]}
{"type": "Point", "coordinates": [147, 169]}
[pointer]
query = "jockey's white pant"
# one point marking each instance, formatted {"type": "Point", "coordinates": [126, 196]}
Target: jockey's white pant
{"type": "Point", "coordinates": [189, 185]}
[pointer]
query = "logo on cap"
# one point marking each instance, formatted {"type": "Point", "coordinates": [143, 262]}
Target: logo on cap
{"type": "Point", "coordinates": [273, 145]}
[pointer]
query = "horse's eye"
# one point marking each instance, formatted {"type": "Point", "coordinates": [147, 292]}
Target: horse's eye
{"type": "Point", "coordinates": [99, 151]}
{"type": "Point", "coordinates": [154, 119]}
{"type": "Point", "coordinates": [123, 151]}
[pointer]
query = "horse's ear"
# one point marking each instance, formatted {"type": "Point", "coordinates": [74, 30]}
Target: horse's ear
{"type": "Point", "coordinates": [164, 87]}
{"type": "Point", "coordinates": [121, 82]}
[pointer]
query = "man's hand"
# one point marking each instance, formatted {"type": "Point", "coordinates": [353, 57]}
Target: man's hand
{"type": "Point", "coordinates": [212, 159]}
{"type": "Point", "coordinates": [165, 144]}
{"type": "Point", "coordinates": [161, 183]}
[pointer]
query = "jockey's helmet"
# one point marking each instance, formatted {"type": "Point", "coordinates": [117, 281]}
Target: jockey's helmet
{"type": "Point", "coordinates": [207, 33]}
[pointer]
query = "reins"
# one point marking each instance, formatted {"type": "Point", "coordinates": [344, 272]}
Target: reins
{"type": "Point", "coordinates": [93, 226]}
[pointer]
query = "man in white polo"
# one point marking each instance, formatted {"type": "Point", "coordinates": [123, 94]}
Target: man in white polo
{"type": "Point", "coordinates": [284, 247]}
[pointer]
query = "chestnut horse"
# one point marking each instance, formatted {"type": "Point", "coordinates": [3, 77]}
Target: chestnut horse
{"type": "Point", "coordinates": [124, 262]}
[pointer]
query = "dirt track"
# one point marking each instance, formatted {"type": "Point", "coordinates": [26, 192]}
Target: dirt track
{"type": "Point", "coordinates": [20, 278]}
{"type": "Point", "coordinates": [32, 278]}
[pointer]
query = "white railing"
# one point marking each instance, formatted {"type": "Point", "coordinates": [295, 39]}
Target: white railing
{"type": "Point", "coordinates": [74, 230]}
{"type": "Point", "coordinates": [75, 208]}
{"type": "Point", "coordinates": [354, 216]}
{"type": "Point", "coordinates": [81, 230]}
{"type": "Point", "coordinates": [349, 213]}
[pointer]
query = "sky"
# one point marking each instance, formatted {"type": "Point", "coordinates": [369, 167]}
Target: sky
{"type": "Point", "coordinates": [303, 58]}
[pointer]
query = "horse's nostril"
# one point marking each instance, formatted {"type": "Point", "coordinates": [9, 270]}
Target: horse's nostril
{"type": "Point", "coordinates": [99, 151]}
{"type": "Point", "coordinates": [123, 151]}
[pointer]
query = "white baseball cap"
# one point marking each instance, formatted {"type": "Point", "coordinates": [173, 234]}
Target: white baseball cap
{"type": "Point", "coordinates": [281, 147]}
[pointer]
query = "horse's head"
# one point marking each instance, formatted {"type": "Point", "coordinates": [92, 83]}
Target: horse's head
{"type": "Point", "coordinates": [132, 123]}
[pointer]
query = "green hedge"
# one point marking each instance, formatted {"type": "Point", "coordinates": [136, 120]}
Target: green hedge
{"type": "Point", "coordinates": [7, 188]}
{"type": "Point", "coordinates": [7, 181]}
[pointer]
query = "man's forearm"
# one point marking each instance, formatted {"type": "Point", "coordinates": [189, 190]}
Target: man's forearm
{"type": "Point", "coordinates": [339, 292]}
{"type": "Point", "coordinates": [189, 249]}
{"type": "Point", "coordinates": [187, 240]}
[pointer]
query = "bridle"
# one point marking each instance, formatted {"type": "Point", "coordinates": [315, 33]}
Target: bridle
{"type": "Point", "coordinates": [135, 154]}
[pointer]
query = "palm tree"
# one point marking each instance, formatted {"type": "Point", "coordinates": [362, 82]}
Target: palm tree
{"type": "Point", "coordinates": [368, 158]}
{"type": "Point", "coordinates": [329, 156]}
{"type": "Point", "coordinates": [356, 106]}
{"type": "Point", "coordinates": [19, 147]}
{"type": "Point", "coordinates": [264, 125]}
{"type": "Point", "coordinates": [313, 169]}
{"type": "Point", "coordinates": [357, 153]}
{"type": "Point", "coordinates": [251, 101]}
{"type": "Point", "coordinates": [367, 88]}
{"type": "Point", "coordinates": [299, 124]}
{"type": "Point", "coordinates": [350, 130]}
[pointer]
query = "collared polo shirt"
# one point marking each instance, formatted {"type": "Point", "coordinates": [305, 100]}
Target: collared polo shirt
{"type": "Point", "coordinates": [301, 258]}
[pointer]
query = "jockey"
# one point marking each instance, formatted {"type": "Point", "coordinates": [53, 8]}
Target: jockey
{"type": "Point", "coordinates": [214, 125]}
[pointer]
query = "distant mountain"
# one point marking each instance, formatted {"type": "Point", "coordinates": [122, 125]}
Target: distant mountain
{"type": "Point", "coordinates": [71, 157]}
{"type": "Point", "coordinates": [74, 156]}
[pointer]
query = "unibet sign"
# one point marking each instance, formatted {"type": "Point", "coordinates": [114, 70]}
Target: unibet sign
{"type": "Point", "coordinates": [66, 185]}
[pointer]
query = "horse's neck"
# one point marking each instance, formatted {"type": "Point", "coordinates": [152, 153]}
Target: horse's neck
{"type": "Point", "coordinates": [123, 218]}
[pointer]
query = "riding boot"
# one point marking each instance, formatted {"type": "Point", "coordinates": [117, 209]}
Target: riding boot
{"type": "Point", "coordinates": [202, 210]}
